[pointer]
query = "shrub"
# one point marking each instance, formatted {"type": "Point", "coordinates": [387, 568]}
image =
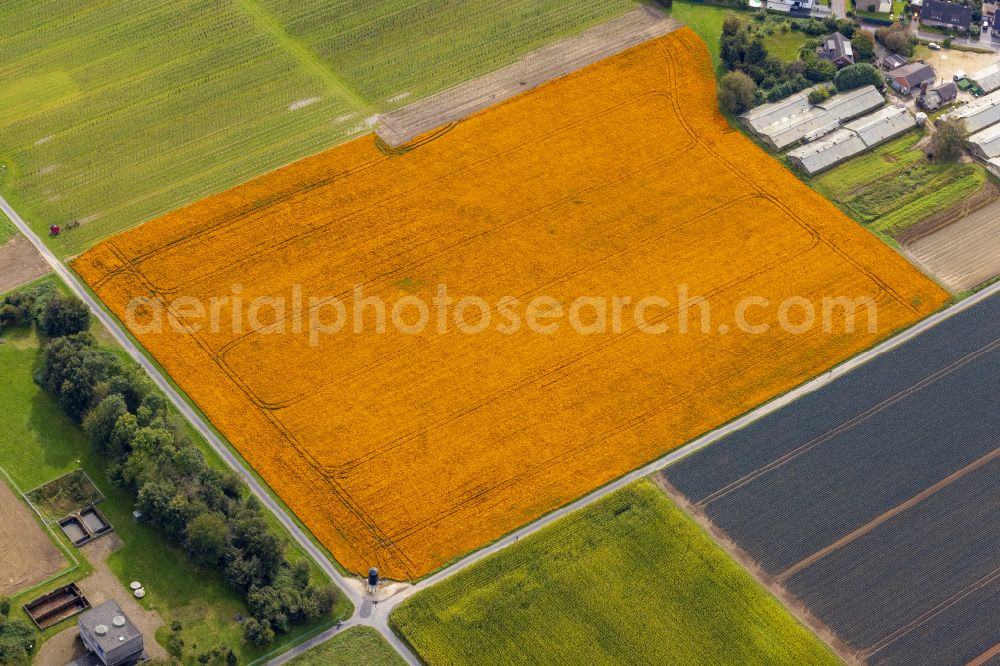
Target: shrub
{"type": "Point", "coordinates": [16, 642]}
{"type": "Point", "coordinates": [175, 646]}
{"type": "Point", "coordinates": [63, 315]}
{"type": "Point", "coordinates": [855, 76]}
{"type": "Point", "coordinates": [258, 633]}
{"type": "Point", "coordinates": [949, 135]}
{"type": "Point", "coordinates": [736, 92]}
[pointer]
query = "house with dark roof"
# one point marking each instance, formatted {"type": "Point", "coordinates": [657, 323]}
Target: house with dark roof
{"type": "Point", "coordinates": [837, 49]}
{"type": "Point", "coordinates": [908, 78]}
{"type": "Point", "coordinates": [946, 15]}
{"type": "Point", "coordinates": [934, 98]}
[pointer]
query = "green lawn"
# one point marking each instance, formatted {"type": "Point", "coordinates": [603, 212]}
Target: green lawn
{"type": "Point", "coordinates": [785, 45]}
{"type": "Point", "coordinates": [705, 20]}
{"type": "Point", "coordinates": [38, 443]}
{"type": "Point", "coordinates": [115, 111]}
{"type": "Point", "coordinates": [629, 579]}
{"type": "Point", "coordinates": [357, 646]}
{"type": "Point", "coordinates": [895, 186]}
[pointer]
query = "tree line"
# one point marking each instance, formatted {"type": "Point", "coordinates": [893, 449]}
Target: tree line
{"type": "Point", "coordinates": [206, 512]}
{"type": "Point", "coordinates": [755, 76]}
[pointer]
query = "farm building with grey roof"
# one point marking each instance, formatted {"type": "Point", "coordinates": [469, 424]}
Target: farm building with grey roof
{"type": "Point", "coordinates": [852, 139]}
{"type": "Point", "coordinates": [978, 114]}
{"type": "Point", "coordinates": [783, 124]}
{"type": "Point", "coordinates": [985, 144]}
{"type": "Point", "coordinates": [988, 78]}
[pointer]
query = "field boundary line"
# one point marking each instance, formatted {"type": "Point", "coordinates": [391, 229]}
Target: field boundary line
{"type": "Point", "coordinates": [847, 425]}
{"type": "Point", "coordinates": [697, 444]}
{"type": "Point", "coordinates": [887, 515]}
{"type": "Point", "coordinates": [303, 55]}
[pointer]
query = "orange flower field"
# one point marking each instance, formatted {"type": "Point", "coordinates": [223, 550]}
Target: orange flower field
{"type": "Point", "coordinates": [406, 449]}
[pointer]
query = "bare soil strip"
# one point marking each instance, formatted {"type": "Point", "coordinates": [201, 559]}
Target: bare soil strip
{"type": "Point", "coordinates": [986, 656]}
{"type": "Point", "coordinates": [964, 254]}
{"type": "Point", "coordinates": [27, 555]}
{"type": "Point", "coordinates": [20, 262]}
{"type": "Point", "coordinates": [534, 69]}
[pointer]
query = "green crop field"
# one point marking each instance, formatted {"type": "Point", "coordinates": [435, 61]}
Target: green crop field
{"type": "Point", "coordinates": [39, 443]}
{"type": "Point", "coordinates": [357, 646]}
{"type": "Point", "coordinates": [115, 111]}
{"type": "Point", "coordinates": [629, 579]}
{"type": "Point", "coordinates": [895, 186]}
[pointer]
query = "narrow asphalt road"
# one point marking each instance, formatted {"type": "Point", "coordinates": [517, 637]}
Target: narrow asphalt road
{"type": "Point", "coordinates": [376, 614]}
{"type": "Point", "coordinates": [839, 10]}
{"type": "Point", "coordinates": [206, 431]}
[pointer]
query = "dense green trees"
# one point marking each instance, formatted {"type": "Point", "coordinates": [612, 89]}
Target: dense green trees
{"type": "Point", "coordinates": [16, 641]}
{"type": "Point", "coordinates": [63, 315]}
{"type": "Point", "coordinates": [948, 138]}
{"type": "Point", "coordinates": [863, 46]}
{"type": "Point", "coordinates": [75, 371]}
{"type": "Point", "coordinates": [736, 92]}
{"type": "Point", "coordinates": [897, 39]}
{"type": "Point", "coordinates": [204, 511]}
{"type": "Point", "coordinates": [855, 76]}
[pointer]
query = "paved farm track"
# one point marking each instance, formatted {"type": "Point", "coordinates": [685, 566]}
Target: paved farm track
{"type": "Point", "coordinates": [873, 500]}
{"type": "Point", "coordinates": [964, 254]}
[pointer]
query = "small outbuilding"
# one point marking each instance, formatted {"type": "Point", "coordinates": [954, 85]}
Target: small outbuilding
{"type": "Point", "coordinates": [110, 636]}
{"type": "Point", "coordinates": [893, 61]}
{"type": "Point", "coordinates": [985, 144]}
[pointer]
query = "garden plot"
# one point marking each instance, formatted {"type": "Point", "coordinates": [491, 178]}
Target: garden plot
{"type": "Point", "coordinates": [27, 554]}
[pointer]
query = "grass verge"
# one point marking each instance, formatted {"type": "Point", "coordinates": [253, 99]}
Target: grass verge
{"type": "Point", "coordinates": [357, 646]}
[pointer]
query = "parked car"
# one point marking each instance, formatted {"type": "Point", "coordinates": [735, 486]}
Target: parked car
{"type": "Point", "coordinates": [934, 46]}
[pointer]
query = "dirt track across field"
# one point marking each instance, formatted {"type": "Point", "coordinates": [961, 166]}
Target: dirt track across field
{"type": "Point", "coordinates": [20, 262]}
{"type": "Point", "coordinates": [962, 255]}
{"type": "Point", "coordinates": [531, 71]}
{"type": "Point", "coordinates": [27, 555]}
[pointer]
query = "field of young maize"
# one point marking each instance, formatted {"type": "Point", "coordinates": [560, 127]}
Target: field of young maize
{"type": "Point", "coordinates": [115, 111]}
{"type": "Point", "coordinates": [630, 579]}
{"type": "Point", "coordinates": [407, 448]}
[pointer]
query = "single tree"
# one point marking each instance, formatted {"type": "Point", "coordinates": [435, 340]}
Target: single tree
{"type": "Point", "coordinates": [855, 76]}
{"type": "Point", "coordinates": [863, 46]}
{"type": "Point", "coordinates": [949, 135]}
{"type": "Point", "coordinates": [207, 538]}
{"type": "Point", "coordinates": [736, 91]}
